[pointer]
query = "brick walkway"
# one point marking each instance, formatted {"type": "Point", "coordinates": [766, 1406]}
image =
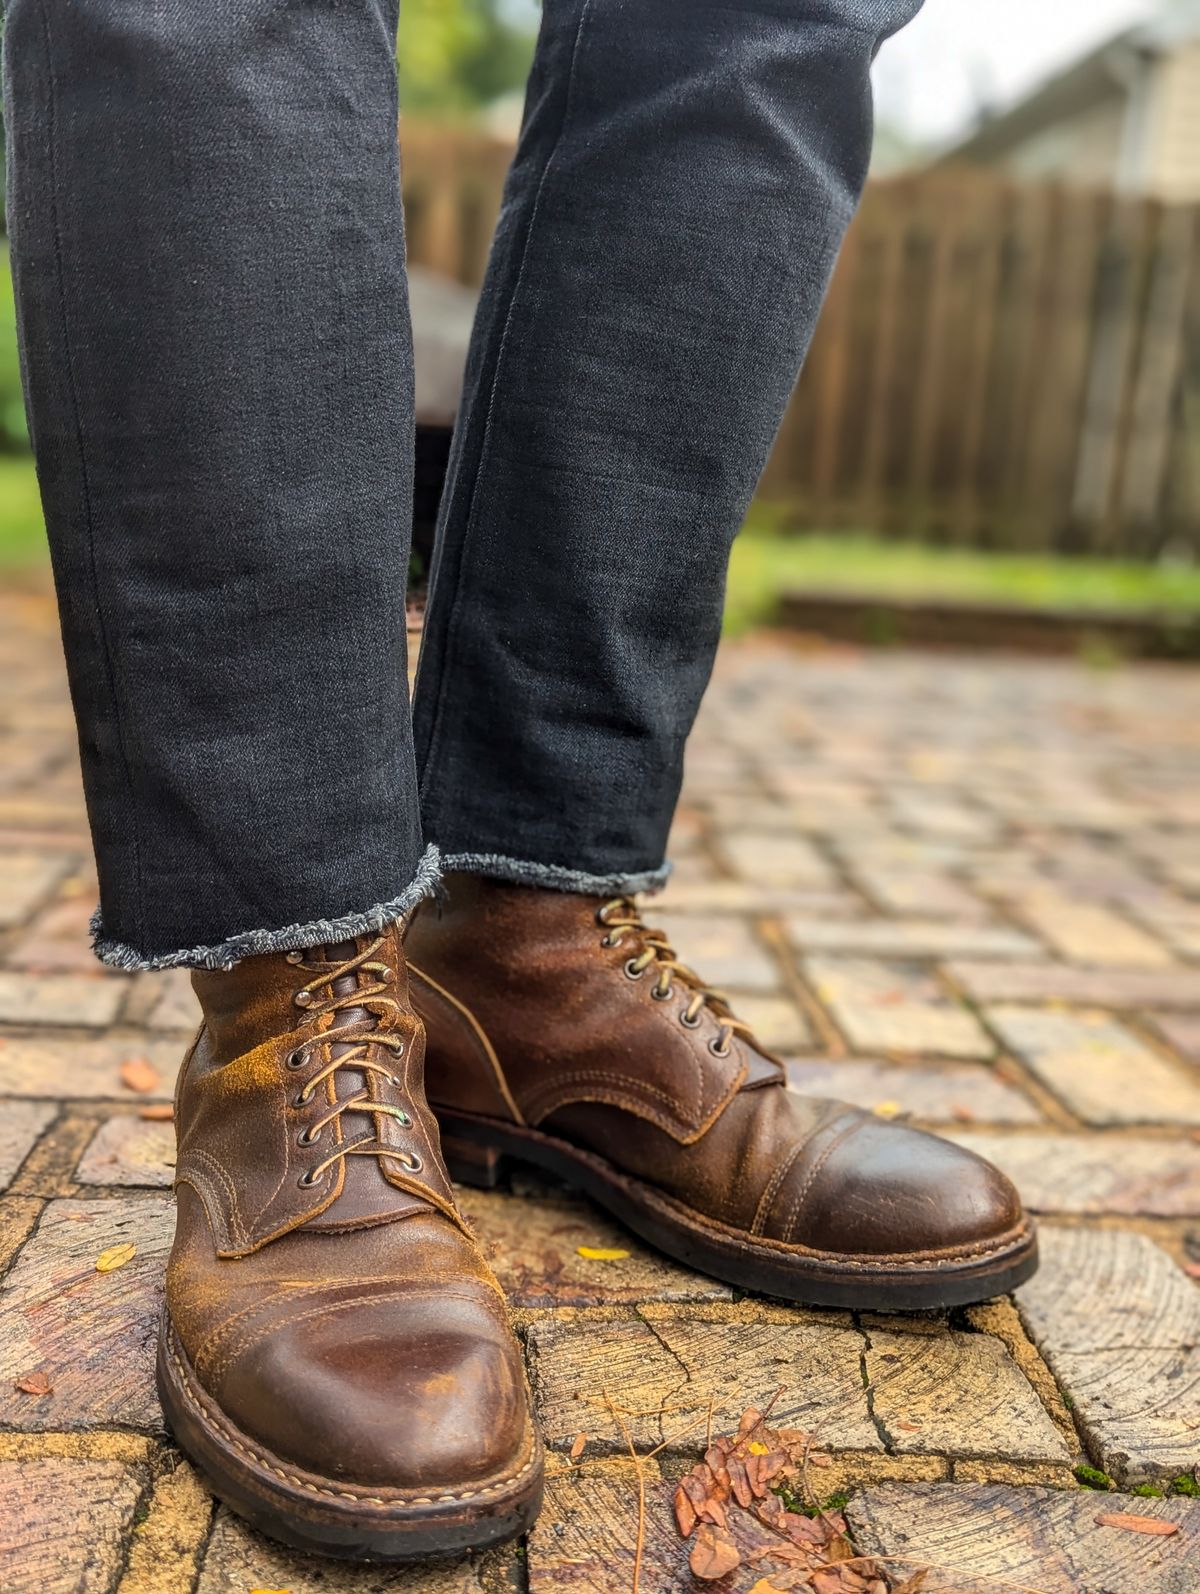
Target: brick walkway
{"type": "Point", "coordinates": [965, 891]}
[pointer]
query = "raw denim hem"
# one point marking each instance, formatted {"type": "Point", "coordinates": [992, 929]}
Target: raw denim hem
{"type": "Point", "coordinates": [553, 876]}
{"type": "Point", "coordinates": [293, 938]}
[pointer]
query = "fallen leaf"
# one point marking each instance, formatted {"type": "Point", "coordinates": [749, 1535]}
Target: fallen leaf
{"type": "Point", "coordinates": [579, 1446]}
{"type": "Point", "coordinates": [1132, 1524]}
{"type": "Point", "coordinates": [818, 1459]}
{"type": "Point", "coordinates": [909, 1427]}
{"type": "Point", "coordinates": [138, 1074]}
{"type": "Point", "coordinates": [601, 1253]}
{"type": "Point", "coordinates": [712, 1555]}
{"type": "Point", "coordinates": [116, 1256]}
{"type": "Point", "coordinates": [756, 1448]}
{"type": "Point", "coordinates": [158, 1113]}
{"type": "Point", "coordinates": [887, 1109]}
{"type": "Point", "coordinates": [765, 1586]}
{"type": "Point", "coordinates": [685, 1513]}
{"type": "Point", "coordinates": [34, 1384]}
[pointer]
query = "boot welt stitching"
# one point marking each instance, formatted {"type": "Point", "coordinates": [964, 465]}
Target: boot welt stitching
{"type": "Point", "coordinates": [224, 1427]}
{"type": "Point", "coordinates": [714, 1228]}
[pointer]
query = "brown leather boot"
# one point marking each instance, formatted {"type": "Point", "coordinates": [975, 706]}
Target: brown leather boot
{"type": "Point", "coordinates": [562, 1031]}
{"type": "Point", "coordinates": [335, 1352]}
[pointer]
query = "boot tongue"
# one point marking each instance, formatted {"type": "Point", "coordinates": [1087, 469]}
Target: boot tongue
{"type": "Point", "coordinates": [366, 1196]}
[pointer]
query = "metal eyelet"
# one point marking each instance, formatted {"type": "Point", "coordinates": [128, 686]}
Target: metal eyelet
{"type": "Point", "coordinates": [303, 998]}
{"type": "Point", "coordinates": [306, 1181]}
{"type": "Point", "coordinates": [295, 957]}
{"type": "Point", "coordinates": [387, 975]}
{"type": "Point", "coordinates": [307, 1138]}
{"type": "Point", "coordinates": [660, 995]}
{"type": "Point", "coordinates": [689, 1023]}
{"type": "Point", "coordinates": [632, 972]}
{"type": "Point", "coordinates": [295, 1059]}
{"type": "Point", "coordinates": [411, 1161]}
{"type": "Point", "coordinates": [600, 919]}
{"type": "Point", "coordinates": [301, 1098]}
{"type": "Point", "coordinates": [403, 1119]}
{"type": "Point", "coordinates": [718, 1050]}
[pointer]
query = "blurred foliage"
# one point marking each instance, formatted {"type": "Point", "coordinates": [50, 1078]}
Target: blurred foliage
{"type": "Point", "coordinates": [458, 55]}
{"type": "Point", "coordinates": [22, 529]}
{"type": "Point", "coordinates": [768, 562]}
{"type": "Point", "coordinates": [13, 433]}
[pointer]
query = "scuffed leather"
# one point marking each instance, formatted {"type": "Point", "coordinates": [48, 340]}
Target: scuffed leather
{"type": "Point", "coordinates": [592, 1057]}
{"type": "Point", "coordinates": [355, 1331]}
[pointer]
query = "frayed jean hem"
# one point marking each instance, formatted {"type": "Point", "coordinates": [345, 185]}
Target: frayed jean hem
{"type": "Point", "coordinates": [294, 938]}
{"type": "Point", "coordinates": [554, 877]}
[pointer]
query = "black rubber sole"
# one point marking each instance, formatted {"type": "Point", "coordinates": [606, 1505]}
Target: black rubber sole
{"type": "Point", "coordinates": [322, 1517]}
{"type": "Point", "coordinates": [479, 1150]}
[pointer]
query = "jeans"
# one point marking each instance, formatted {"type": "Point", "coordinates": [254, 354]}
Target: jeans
{"type": "Point", "coordinates": [208, 254]}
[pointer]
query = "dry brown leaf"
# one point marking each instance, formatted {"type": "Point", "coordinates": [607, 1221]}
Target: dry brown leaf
{"type": "Point", "coordinates": [159, 1112]}
{"type": "Point", "coordinates": [913, 1584]}
{"type": "Point", "coordinates": [34, 1384]}
{"type": "Point", "coordinates": [765, 1586]}
{"type": "Point", "coordinates": [1132, 1524]}
{"type": "Point", "coordinates": [139, 1074]}
{"type": "Point", "coordinates": [685, 1513]}
{"type": "Point", "coordinates": [739, 1482]}
{"type": "Point", "coordinates": [712, 1555]}
{"type": "Point", "coordinates": [908, 1427]}
{"type": "Point", "coordinates": [578, 1446]}
{"type": "Point", "coordinates": [116, 1256]}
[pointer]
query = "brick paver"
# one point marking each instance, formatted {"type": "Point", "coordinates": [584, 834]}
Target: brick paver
{"type": "Point", "coordinates": [962, 891]}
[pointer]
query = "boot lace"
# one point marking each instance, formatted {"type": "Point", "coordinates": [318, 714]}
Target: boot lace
{"type": "Point", "coordinates": [361, 1037]}
{"type": "Point", "coordinates": [621, 917]}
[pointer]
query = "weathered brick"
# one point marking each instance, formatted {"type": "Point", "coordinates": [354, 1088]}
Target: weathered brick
{"type": "Point", "coordinates": [26, 880]}
{"type": "Point", "coordinates": [91, 1333]}
{"type": "Point", "coordinates": [949, 1093]}
{"type": "Point", "coordinates": [1119, 1325]}
{"type": "Point", "coordinates": [776, 1020]}
{"type": "Point", "coordinates": [1182, 1033]}
{"type": "Point", "coordinates": [956, 1394]}
{"type": "Point", "coordinates": [1097, 1067]}
{"type": "Point", "coordinates": [43, 1064]}
{"type": "Point", "coordinates": [782, 860]}
{"type": "Point", "coordinates": [127, 1150]}
{"type": "Point", "coordinates": [1085, 932]}
{"type": "Point", "coordinates": [907, 938]}
{"type": "Point", "coordinates": [61, 999]}
{"type": "Point", "coordinates": [663, 1376]}
{"type": "Point", "coordinates": [1120, 989]}
{"type": "Point", "coordinates": [1094, 1174]}
{"type": "Point", "coordinates": [64, 1524]}
{"type": "Point", "coordinates": [21, 1122]}
{"type": "Point", "coordinates": [981, 1538]}
{"type": "Point", "coordinates": [891, 1007]}
{"type": "Point", "coordinates": [924, 893]}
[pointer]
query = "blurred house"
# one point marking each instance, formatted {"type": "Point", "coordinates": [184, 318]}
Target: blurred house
{"type": "Point", "coordinates": [1124, 117]}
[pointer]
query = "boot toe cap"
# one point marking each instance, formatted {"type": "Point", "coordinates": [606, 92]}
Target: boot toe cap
{"type": "Point", "coordinates": [417, 1394]}
{"type": "Point", "coordinates": [883, 1189]}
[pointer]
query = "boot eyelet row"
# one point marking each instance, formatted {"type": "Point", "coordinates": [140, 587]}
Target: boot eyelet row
{"type": "Point", "coordinates": [660, 995]}
{"type": "Point", "coordinates": [306, 1181]}
{"type": "Point", "coordinates": [303, 998]}
{"type": "Point", "coordinates": [296, 1059]}
{"type": "Point", "coordinates": [294, 957]}
{"type": "Point", "coordinates": [632, 972]}
{"type": "Point", "coordinates": [410, 1160]}
{"type": "Point", "coordinates": [307, 1138]}
{"type": "Point", "coordinates": [689, 1023]}
{"type": "Point", "coordinates": [403, 1119]}
{"type": "Point", "coordinates": [718, 1050]}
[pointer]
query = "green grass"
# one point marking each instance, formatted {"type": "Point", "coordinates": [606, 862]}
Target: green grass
{"type": "Point", "coordinates": [767, 563]}
{"type": "Point", "coordinates": [22, 530]}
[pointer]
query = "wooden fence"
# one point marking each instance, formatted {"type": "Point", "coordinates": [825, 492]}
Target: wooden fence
{"type": "Point", "coordinates": [997, 365]}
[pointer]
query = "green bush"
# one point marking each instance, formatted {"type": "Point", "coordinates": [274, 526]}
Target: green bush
{"type": "Point", "coordinates": [14, 435]}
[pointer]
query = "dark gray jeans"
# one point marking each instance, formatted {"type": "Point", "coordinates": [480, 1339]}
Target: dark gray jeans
{"type": "Point", "coordinates": [209, 258]}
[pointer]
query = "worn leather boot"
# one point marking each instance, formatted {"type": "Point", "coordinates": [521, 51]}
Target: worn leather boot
{"type": "Point", "coordinates": [335, 1352]}
{"type": "Point", "coordinates": [564, 1032]}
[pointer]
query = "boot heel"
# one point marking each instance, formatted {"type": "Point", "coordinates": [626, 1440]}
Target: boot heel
{"type": "Point", "coordinates": [469, 1163]}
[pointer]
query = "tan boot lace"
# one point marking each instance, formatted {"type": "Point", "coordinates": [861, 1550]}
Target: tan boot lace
{"type": "Point", "coordinates": [622, 916]}
{"type": "Point", "coordinates": [361, 1037]}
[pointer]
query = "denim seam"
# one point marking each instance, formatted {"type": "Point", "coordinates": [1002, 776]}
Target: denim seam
{"type": "Point", "coordinates": [292, 938]}
{"type": "Point", "coordinates": [85, 474]}
{"type": "Point", "coordinates": [555, 877]}
{"type": "Point", "coordinates": [429, 773]}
